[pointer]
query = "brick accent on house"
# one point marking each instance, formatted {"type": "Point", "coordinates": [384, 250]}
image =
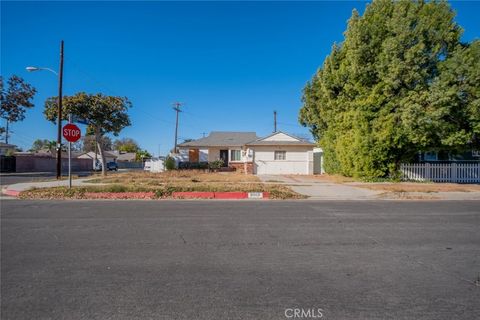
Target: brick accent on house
{"type": "Point", "coordinates": [240, 167]}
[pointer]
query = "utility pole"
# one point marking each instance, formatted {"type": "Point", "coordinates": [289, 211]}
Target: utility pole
{"type": "Point", "coordinates": [274, 121]}
{"type": "Point", "coordinates": [177, 109]}
{"type": "Point", "coordinates": [59, 116]}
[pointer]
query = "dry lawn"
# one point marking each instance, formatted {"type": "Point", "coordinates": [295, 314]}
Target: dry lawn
{"type": "Point", "coordinates": [165, 183]}
{"type": "Point", "coordinates": [180, 176]}
{"type": "Point", "coordinates": [333, 178]}
{"type": "Point", "coordinates": [400, 187]}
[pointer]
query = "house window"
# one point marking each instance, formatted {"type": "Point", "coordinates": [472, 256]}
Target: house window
{"type": "Point", "coordinates": [235, 155]}
{"type": "Point", "coordinates": [280, 155]}
{"type": "Point", "coordinates": [476, 153]}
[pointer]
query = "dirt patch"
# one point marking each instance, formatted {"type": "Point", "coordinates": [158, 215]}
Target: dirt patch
{"type": "Point", "coordinates": [408, 196]}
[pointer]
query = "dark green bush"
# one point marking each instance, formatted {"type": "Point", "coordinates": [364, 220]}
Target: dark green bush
{"type": "Point", "coordinates": [217, 164]}
{"type": "Point", "coordinates": [170, 163]}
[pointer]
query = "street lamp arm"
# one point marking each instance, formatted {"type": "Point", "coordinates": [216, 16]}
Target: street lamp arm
{"type": "Point", "coordinates": [32, 69]}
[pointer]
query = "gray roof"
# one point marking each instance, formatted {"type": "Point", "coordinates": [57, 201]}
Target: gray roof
{"type": "Point", "coordinates": [127, 156]}
{"type": "Point", "coordinates": [263, 142]}
{"type": "Point", "coordinates": [280, 143]}
{"type": "Point", "coordinates": [222, 139]}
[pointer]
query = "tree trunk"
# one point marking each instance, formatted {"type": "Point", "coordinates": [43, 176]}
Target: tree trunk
{"type": "Point", "coordinates": [6, 133]}
{"type": "Point", "coordinates": [100, 149]}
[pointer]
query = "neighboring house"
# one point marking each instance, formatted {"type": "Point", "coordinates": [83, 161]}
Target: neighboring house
{"type": "Point", "coordinates": [125, 156]}
{"type": "Point", "coordinates": [446, 156]}
{"type": "Point", "coordinates": [7, 149]}
{"type": "Point", "coordinates": [278, 153]}
{"type": "Point", "coordinates": [109, 156]}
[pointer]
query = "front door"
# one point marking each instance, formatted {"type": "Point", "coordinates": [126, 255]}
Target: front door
{"type": "Point", "coordinates": [224, 157]}
{"type": "Point", "coordinates": [193, 155]}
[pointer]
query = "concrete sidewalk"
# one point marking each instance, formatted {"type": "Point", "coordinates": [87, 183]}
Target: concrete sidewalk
{"type": "Point", "coordinates": [320, 190]}
{"type": "Point", "coordinates": [324, 190]}
{"type": "Point", "coordinates": [15, 189]}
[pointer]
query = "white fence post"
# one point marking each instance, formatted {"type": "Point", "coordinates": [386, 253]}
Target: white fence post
{"type": "Point", "coordinates": [453, 170]}
{"type": "Point", "coordinates": [427, 174]}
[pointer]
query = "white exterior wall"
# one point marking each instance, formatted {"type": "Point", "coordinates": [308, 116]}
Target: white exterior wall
{"type": "Point", "coordinates": [203, 155]}
{"type": "Point", "coordinates": [299, 160]}
{"type": "Point", "coordinates": [213, 154]}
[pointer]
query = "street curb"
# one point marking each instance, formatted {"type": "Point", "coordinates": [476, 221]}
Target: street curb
{"type": "Point", "coordinates": [175, 195]}
{"type": "Point", "coordinates": [219, 195]}
{"type": "Point", "coordinates": [11, 193]}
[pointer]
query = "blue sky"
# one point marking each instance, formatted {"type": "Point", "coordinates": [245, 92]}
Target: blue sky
{"type": "Point", "coordinates": [231, 63]}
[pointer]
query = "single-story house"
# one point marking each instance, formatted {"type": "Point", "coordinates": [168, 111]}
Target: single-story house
{"type": "Point", "coordinates": [125, 156]}
{"type": "Point", "coordinates": [278, 153]}
{"type": "Point", "coordinates": [109, 156]}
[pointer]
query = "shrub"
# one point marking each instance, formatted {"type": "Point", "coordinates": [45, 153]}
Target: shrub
{"type": "Point", "coordinates": [170, 163]}
{"type": "Point", "coordinates": [217, 164]}
{"type": "Point", "coordinates": [192, 165]}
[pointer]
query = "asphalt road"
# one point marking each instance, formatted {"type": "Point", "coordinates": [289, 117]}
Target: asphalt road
{"type": "Point", "coordinates": [11, 178]}
{"type": "Point", "coordinates": [239, 260]}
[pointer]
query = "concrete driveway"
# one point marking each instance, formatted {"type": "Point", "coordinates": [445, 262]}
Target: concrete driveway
{"type": "Point", "coordinates": [321, 190]}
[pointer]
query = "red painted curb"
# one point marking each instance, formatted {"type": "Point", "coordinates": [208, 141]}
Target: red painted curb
{"type": "Point", "coordinates": [214, 195]}
{"type": "Point", "coordinates": [193, 195]}
{"type": "Point", "coordinates": [231, 195]}
{"type": "Point", "coordinates": [11, 193]}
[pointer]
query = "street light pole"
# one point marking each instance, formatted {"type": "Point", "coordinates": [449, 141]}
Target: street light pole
{"type": "Point", "coordinates": [59, 112]}
{"type": "Point", "coordinates": [59, 116]}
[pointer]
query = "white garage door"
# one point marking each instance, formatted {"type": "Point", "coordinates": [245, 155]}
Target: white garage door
{"type": "Point", "coordinates": [281, 167]}
{"type": "Point", "coordinates": [282, 159]}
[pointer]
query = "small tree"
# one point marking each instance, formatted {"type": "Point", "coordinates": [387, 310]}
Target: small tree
{"type": "Point", "coordinates": [104, 114]}
{"type": "Point", "coordinates": [40, 144]}
{"type": "Point", "coordinates": [14, 101]}
{"type": "Point", "coordinates": [142, 154]}
{"type": "Point", "coordinates": [126, 145]}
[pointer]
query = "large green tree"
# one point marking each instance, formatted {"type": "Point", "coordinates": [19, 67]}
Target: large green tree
{"type": "Point", "coordinates": [104, 114]}
{"type": "Point", "coordinates": [15, 99]}
{"type": "Point", "coordinates": [400, 82]}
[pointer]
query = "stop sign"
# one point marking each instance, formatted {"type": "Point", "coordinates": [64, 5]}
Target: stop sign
{"type": "Point", "coordinates": [71, 132]}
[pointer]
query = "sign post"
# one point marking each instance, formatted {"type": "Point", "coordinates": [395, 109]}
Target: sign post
{"type": "Point", "coordinates": [72, 133]}
{"type": "Point", "coordinates": [69, 157]}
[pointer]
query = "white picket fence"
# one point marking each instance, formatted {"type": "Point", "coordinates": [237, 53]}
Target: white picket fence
{"type": "Point", "coordinates": [441, 172]}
